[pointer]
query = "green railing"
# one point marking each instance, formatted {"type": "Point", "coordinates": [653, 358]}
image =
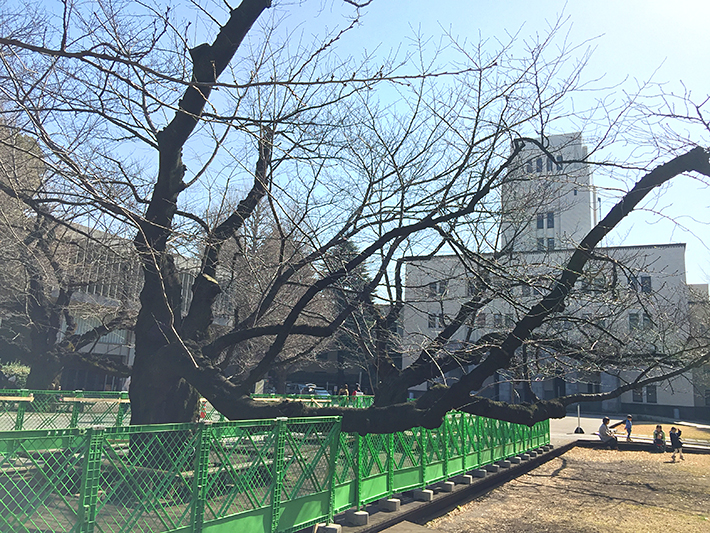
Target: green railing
{"type": "Point", "coordinates": [44, 409]}
{"type": "Point", "coordinates": [256, 476]}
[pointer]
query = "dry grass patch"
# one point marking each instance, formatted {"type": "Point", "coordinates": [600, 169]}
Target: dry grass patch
{"type": "Point", "coordinates": [589, 491]}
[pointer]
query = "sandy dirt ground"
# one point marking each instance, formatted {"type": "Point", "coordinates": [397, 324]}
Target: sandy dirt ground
{"type": "Point", "coordinates": [589, 491]}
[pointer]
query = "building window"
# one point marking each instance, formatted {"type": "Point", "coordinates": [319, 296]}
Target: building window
{"type": "Point", "coordinates": [646, 321]}
{"type": "Point", "coordinates": [509, 321]}
{"type": "Point", "coordinates": [528, 166]}
{"type": "Point", "coordinates": [550, 219]}
{"type": "Point", "coordinates": [646, 284]}
{"type": "Point", "coordinates": [575, 192]}
{"type": "Point", "coordinates": [550, 243]}
{"type": "Point", "coordinates": [559, 162]}
{"type": "Point", "coordinates": [637, 396]}
{"type": "Point", "coordinates": [594, 387]}
{"type": "Point", "coordinates": [538, 165]}
{"type": "Point", "coordinates": [550, 164]}
{"type": "Point", "coordinates": [525, 290]}
{"type": "Point", "coordinates": [541, 245]}
{"type": "Point", "coordinates": [481, 320]}
{"type": "Point", "coordinates": [438, 288]}
{"type": "Point", "coordinates": [633, 321]}
{"type": "Point", "coordinates": [540, 221]}
{"type": "Point", "coordinates": [651, 394]}
{"type": "Point", "coordinates": [470, 287]}
{"type": "Point", "coordinates": [436, 321]}
{"type": "Point", "coordinates": [497, 320]}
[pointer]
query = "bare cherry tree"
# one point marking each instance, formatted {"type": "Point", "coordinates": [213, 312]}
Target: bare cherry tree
{"type": "Point", "coordinates": [146, 131]}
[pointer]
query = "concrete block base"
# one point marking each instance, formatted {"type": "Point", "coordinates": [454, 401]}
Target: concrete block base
{"type": "Point", "coordinates": [329, 528]}
{"type": "Point", "coordinates": [532, 453]}
{"type": "Point", "coordinates": [357, 518]}
{"type": "Point", "coordinates": [424, 495]}
{"type": "Point", "coordinates": [478, 473]}
{"type": "Point", "coordinates": [389, 505]}
{"type": "Point", "coordinates": [492, 468]}
{"type": "Point", "coordinates": [515, 460]}
{"type": "Point", "coordinates": [504, 464]}
{"type": "Point", "coordinates": [463, 479]}
{"type": "Point", "coordinates": [446, 486]}
{"type": "Point", "coordinates": [524, 457]}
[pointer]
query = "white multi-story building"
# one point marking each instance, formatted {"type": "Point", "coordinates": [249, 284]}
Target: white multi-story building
{"type": "Point", "coordinates": [631, 301]}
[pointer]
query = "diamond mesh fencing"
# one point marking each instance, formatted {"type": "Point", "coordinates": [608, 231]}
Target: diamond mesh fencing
{"type": "Point", "coordinates": [43, 409]}
{"type": "Point", "coordinates": [271, 476]}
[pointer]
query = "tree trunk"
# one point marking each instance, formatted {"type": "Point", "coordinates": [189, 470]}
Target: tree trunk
{"type": "Point", "coordinates": [45, 374]}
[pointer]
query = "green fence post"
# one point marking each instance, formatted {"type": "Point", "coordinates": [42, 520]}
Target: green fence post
{"type": "Point", "coordinates": [90, 477]}
{"type": "Point", "coordinates": [122, 408]}
{"type": "Point", "coordinates": [390, 463]}
{"type": "Point", "coordinates": [358, 469]}
{"type": "Point", "coordinates": [334, 452]}
{"type": "Point", "coordinates": [74, 422]}
{"type": "Point", "coordinates": [199, 480]}
{"type": "Point", "coordinates": [21, 408]}
{"type": "Point", "coordinates": [445, 435]}
{"type": "Point", "coordinates": [422, 450]}
{"type": "Point", "coordinates": [463, 436]}
{"type": "Point", "coordinates": [277, 471]}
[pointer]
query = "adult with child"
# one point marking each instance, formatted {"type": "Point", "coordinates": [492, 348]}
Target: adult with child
{"type": "Point", "coordinates": [606, 434]}
{"type": "Point", "coordinates": [676, 443]}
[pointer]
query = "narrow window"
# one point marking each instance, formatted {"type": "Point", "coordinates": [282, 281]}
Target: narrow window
{"type": "Point", "coordinates": [540, 221]}
{"type": "Point", "coordinates": [470, 287]}
{"type": "Point", "coordinates": [538, 165]}
{"type": "Point", "coordinates": [637, 396]}
{"type": "Point", "coordinates": [651, 394]}
{"type": "Point", "coordinates": [528, 166]}
{"type": "Point", "coordinates": [541, 245]}
{"type": "Point", "coordinates": [559, 162]}
{"type": "Point", "coordinates": [550, 219]}
{"type": "Point", "coordinates": [646, 321]}
{"type": "Point", "coordinates": [525, 290]}
{"type": "Point", "coordinates": [633, 283]}
{"type": "Point", "coordinates": [550, 244]}
{"type": "Point", "coordinates": [550, 164]}
{"type": "Point", "coordinates": [575, 192]}
{"type": "Point", "coordinates": [436, 321]}
{"type": "Point", "coordinates": [646, 284]}
{"type": "Point", "coordinates": [633, 321]}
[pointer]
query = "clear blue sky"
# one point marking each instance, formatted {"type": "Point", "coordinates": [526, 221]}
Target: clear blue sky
{"type": "Point", "coordinates": [634, 40]}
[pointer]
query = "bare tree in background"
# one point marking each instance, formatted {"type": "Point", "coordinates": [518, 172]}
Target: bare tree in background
{"type": "Point", "coordinates": [144, 131]}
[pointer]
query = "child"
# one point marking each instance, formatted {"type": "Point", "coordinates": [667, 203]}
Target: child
{"type": "Point", "coordinates": [676, 443]}
{"type": "Point", "coordinates": [659, 439]}
{"type": "Point", "coordinates": [627, 427]}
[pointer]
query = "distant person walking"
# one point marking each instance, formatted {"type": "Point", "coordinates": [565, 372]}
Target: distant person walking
{"type": "Point", "coordinates": [659, 439]}
{"type": "Point", "coordinates": [344, 391]}
{"type": "Point", "coordinates": [676, 443]}
{"type": "Point", "coordinates": [606, 434]}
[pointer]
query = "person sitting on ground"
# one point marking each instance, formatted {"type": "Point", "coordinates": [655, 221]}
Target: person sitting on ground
{"type": "Point", "coordinates": [659, 439]}
{"type": "Point", "coordinates": [606, 434]}
{"type": "Point", "coordinates": [676, 443]}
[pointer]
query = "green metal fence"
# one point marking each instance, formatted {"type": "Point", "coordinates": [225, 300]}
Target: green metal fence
{"type": "Point", "coordinates": [255, 476]}
{"type": "Point", "coordinates": [45, 409]}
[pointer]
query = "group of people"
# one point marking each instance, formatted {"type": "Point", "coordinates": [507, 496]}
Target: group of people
{"type": "Point", "coordinates": [344, 391]}
{"type": "Point", "coordinates": [608, 437]}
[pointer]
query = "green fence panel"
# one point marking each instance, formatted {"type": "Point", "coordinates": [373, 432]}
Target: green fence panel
{"type": "Point", "coordinates": [41, 481]}
{"type": "Point", "coordinates": [146, 481]}
{"type": "Point", "coordinates": [271, 476]}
